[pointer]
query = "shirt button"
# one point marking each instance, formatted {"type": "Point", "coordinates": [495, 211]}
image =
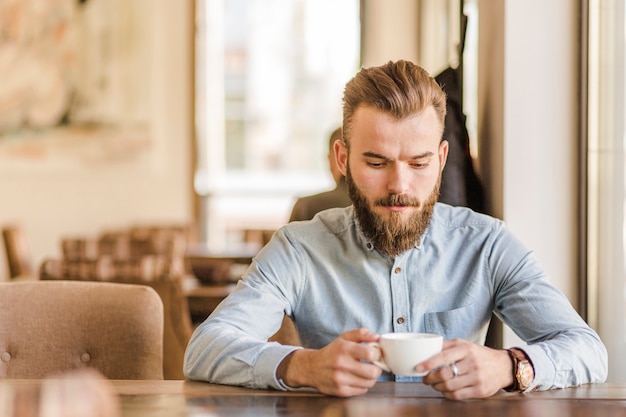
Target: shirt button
{"type": "Point", "coordinates": [85, 357]}
{"type": "Point", "coordinates": [400, 320]}
{"type": "Point", "coordinates": [397, 270]}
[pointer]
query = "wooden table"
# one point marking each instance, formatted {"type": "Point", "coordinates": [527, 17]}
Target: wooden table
{"type": "Point", "coordinates": [184, 398]}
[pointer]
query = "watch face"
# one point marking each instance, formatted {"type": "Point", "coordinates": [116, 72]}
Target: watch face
{"type": "Point", "coordinates": [525, 375]}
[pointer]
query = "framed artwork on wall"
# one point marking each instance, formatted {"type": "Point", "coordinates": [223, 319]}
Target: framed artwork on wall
{"type": "Point", "coordinates": [76, 87]}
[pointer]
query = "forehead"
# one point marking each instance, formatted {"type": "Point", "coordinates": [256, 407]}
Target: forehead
{"type": "Point", "coordinates": [376, 130]}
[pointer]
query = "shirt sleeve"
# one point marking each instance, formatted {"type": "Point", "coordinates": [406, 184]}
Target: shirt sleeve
{"type": "Point", "coordinates": [564, 350]}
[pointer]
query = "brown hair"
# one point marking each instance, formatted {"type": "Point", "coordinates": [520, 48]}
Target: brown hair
{"type": "Point", "coordinates": [398, 88]}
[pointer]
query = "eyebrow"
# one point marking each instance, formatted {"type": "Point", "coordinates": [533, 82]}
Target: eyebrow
{"type": "Point", "coordinates": [369, 154]}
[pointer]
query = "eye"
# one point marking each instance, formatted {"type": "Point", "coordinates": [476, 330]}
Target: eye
{"type": "Point", "coordinates": [375, 164]}
{"type": "Point", "coordinates": [420, 163]}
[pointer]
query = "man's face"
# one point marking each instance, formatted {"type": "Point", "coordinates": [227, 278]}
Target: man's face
{"type": "Point", "coordinates": [393, 172]}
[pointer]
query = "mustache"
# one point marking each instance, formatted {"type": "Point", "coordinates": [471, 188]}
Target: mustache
{"type": "Point", "coordinates": [398, 200]}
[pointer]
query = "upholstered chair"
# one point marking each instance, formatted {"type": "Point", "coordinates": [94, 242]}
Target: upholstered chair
{"type": "Point", "coordinates": [51, 327]}
{"type": "Point", "coordinates": [177, 326]}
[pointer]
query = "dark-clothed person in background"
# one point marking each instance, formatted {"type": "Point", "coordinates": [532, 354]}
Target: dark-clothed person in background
{"type": "Point", "coordinates": [395, 261]}
{"type": "Point", "coordinates": [307, 207]}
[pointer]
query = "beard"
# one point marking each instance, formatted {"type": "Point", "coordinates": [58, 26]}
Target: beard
{"type": "Point", "coordinates": [394, 235]}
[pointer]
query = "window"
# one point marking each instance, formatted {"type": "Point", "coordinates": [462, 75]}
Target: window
{"type": "Point", "coordinates": [269, 82]}
{"type": "Point", "coordinates": [606, 195]}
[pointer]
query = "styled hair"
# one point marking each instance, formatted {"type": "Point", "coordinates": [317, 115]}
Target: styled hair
{"type": "Point", "coordinates": [399, 88]}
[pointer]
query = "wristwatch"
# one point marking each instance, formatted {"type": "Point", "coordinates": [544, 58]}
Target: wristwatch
{"type": "Point", "coordinates": [523, 372]}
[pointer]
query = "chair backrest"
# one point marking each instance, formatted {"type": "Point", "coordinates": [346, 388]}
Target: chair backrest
{"type": "Point", "coordinates": [177, 326]}
{"type": "Point", "coordinates": [50, 327]}
{"type": "Point", "coordinates": [17, 252]}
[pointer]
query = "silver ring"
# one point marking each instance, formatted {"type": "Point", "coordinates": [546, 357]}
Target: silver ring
{"type": "Point", "coordinates": [455, 370]}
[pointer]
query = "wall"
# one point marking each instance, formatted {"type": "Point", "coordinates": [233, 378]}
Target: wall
{"type": "Point", "coordinates": [84, 198]}
{"type": "Point", "coordinates": [392, 32]}
{"type": "Point", "coordinates": [528, 127]}
{"type": "Point", "coordinates": [529, 98]}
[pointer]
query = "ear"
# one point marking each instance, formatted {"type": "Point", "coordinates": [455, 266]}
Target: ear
{"type": "Point", "coordinates": [444, 146]}
{"type": "Point", "coordinates": [341, 156]}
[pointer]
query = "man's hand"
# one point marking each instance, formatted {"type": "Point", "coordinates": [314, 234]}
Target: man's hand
{"type": "Point", "coordinates": [338, 368]}
{"type": "Point", "coordinates": [482, 371]}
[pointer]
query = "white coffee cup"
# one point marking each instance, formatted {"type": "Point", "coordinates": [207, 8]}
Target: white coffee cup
{"type": "Point", "coordinates": [401, 352]}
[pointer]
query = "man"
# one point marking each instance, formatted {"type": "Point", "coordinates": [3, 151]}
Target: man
{"type": "Point", "coordinates": [395, 261]}
{"type": "Point", "coordinates": [307, 207]}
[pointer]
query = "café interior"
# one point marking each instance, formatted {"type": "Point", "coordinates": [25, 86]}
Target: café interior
{"type": "Point", "coordinates": [128, 156]}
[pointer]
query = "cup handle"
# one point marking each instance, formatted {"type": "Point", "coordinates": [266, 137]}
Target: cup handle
{"type": "Point", "coordinates": [381, 363]}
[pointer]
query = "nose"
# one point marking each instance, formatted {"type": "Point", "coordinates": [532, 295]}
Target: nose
{"type": "Point", "coordinates": [398, 180]}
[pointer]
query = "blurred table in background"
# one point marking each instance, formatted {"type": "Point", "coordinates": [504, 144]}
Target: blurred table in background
{"type": "Point", "coordinates": [213, 276]}
{"type": "Point", "coordinates": [219, 268]}
{"type": "Point", "coordinates": [202, 299]}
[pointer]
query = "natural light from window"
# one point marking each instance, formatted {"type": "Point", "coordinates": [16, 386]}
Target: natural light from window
{"type": "Point", "coordinates": [269, 81]}
{"type": "Point", "coordinates": [607, 179]}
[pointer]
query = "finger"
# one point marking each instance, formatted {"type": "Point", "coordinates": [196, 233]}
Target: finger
{"type": "Point", "coordinates": [449, 344]}
{"type": "Point", "coordinates": [452, 352]}
{"type": "Point", "coordinates": [447, 372]}
{"type": "Point", "coordinates": [350, 374]}
{"type": "Point", "coordinates": [442, 374]}
{"type": "Point", "coordinates": [355, 343]}
{"type": "Point", "coordinates": [454, 368]}
{"type": "Point", "coordinates": [364, 374]}
{"type": "Point", "coordinates": [460, 394]}
{"type": "Point", "coordinates": [360, 335]}
{"type": "Point", "coordinates": [361, 358]}
{"type": "Point", "coordinates": [349, 387]}
{"type": "Point", "coordinates": [448, 378]}
{"type": "Point", "coordinates": [354, 358]}
{"type": "Point", "coordinates": [463, 387]}
{"type": "Point", "coordinates": [437, 362]}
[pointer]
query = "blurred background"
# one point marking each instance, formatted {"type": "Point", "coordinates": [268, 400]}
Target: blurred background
{"type": "Point", "coordinates": [215, 114]}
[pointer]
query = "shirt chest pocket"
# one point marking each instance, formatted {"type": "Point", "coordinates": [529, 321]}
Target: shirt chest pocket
{"type": "Point", "coordinates": [469, 322]}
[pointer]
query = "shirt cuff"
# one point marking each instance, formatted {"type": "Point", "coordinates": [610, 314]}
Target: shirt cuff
{"type": "Point", "coordinates": [280, 384]}
{"type": "Point", "coordinates": [285, 387]}
{"type": "Point", "coordinates": [267, 365]}
{"type": "Point", "coordinates": [542, 366]}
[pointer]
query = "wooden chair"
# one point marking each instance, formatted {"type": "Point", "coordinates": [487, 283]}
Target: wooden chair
{"type": "Point", "coordinates": [131, 245]}
{"type": "Point", "coordinates": [51, 327]}
{"type": "Point", "coordinates": [17, 252]}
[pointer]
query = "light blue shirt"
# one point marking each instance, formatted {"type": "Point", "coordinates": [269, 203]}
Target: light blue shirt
{"type": "Point", "coordinates": [329, 279]}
